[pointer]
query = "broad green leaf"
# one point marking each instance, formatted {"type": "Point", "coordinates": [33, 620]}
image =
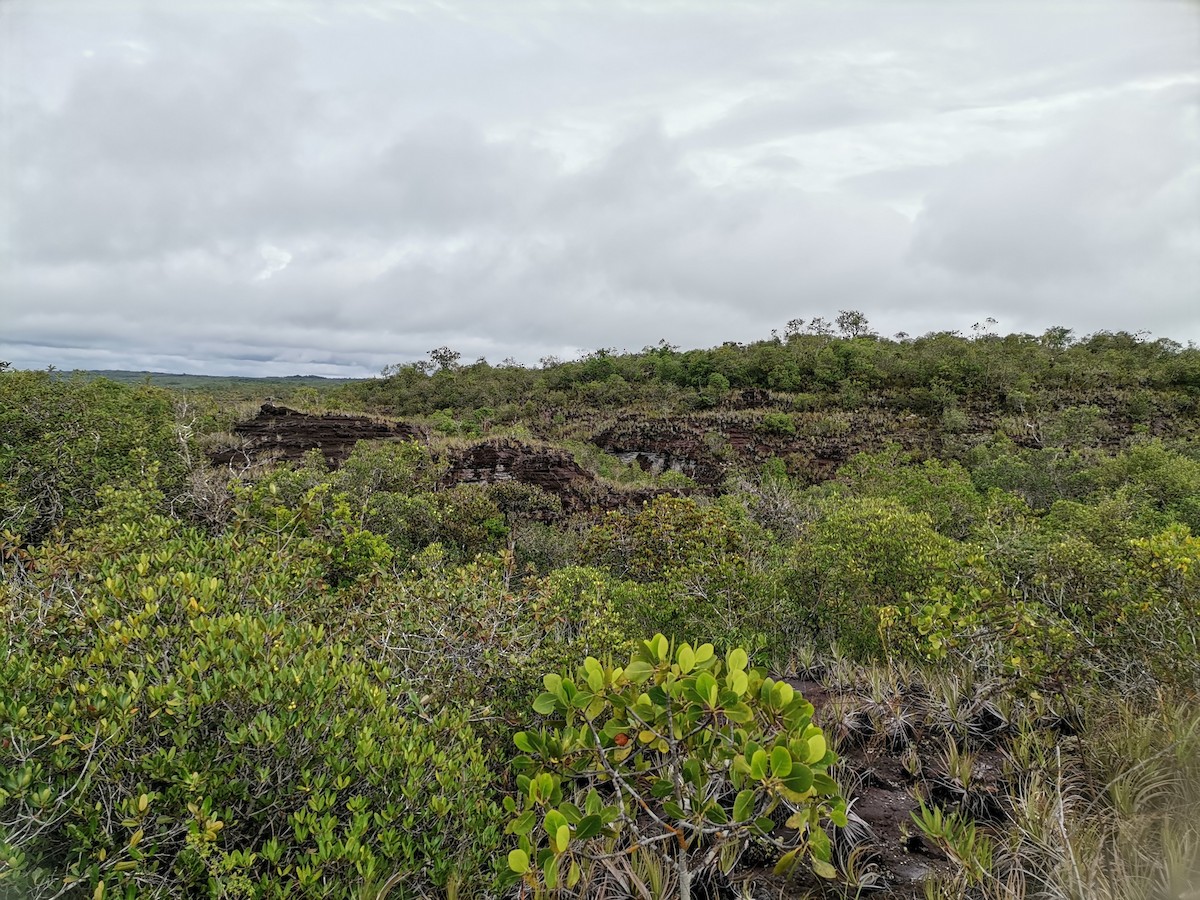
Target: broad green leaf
{"type": "Point", "coordinates": [545, 704]}
{"type": "Point", "coordinates": [706, 687]}
{"type": "Point", "coordinates": [800, 779]}
{"type": "Point", "coordinates": [552, 682]}
{"type": "Point", "coordinates": [638, 671]}
{"type": "Point", "coordinates": [523, 824]}
{"type": "Point", "coordinates": [518, 861]}
{"type": "Point", "coordinates": [837, 815]}
{"type": "Point", "coordinates": [613, 727]}
{"type": "Point", "coordinates": [562, 837]}
{"type": "Point", "coordinates": [524, 744]}
{"type": "Point", "coordinates": [819, 846]}
{"type": "Point", "coordinates": [784, 693]}
{"type": "Point", "coordinates": [787, 862]}
{"type": "Point", "coordinates": [736, 659]}
{"type": "Point", "coordinates": [594, 708]}
{"type": "Point", "coordinates": [781, 762]}
{"type": "Point", "coordinates": [661, 647]}
{"type": "Point", "coordinates": [824, 785]}
{"type": "Point", "coordinates": [758, 765]}
{"type": "Point", "coordinates": [743, 806]}
{"type": "Point", "coordinates": [824, 869]}
{"type": "Point", "coordinates": [588, 827]}
{"type": "Point", "coordinates": [572, 812]}
{"type": "Point", "coordinates": [553, 821]}
{"type": "Point", "coordinates": [704, 653]}
{"type": "Point", "coordinates": [692, 694]}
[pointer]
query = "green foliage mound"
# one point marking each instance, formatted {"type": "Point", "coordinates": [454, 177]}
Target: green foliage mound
{"type": "Point", "coordinates": [175, 721]}
{"type": "Point", "coordinates": [62, 440]}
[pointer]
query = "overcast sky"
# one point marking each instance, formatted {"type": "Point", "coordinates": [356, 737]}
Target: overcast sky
{"type": "Point", "coordinates": [292, 187]}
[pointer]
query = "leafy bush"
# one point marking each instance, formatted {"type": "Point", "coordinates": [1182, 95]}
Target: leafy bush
{"type": "Point", "coordinates": [941, 490]}
{"type": "Point", "coordinates": [177, 719]}
{"type": "Point", "coordinates": [778, 423]}
{"type": "Point", "coordinates": [679, 754]}
{"type": "Point", "coordinates": [705, 569]}
{"type": "Point", "coordinates": [63, 439]}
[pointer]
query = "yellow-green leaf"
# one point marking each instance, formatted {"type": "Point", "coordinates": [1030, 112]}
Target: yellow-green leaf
{"type": "Point", "coordinates": [816, 748]}
{"type": "Point", "coordinates": [824, 869]}
{"type": "Point", "coordinates": [687, 658]}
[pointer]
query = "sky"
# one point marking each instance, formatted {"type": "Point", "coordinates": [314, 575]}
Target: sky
{"type": "Point", "coordinates": [274, 187]}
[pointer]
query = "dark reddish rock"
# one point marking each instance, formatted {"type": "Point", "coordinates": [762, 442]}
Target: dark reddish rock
{"type": "Point", "coordinates": [708, 446]}
{"type": "Point", "coordinates": [282, 434]}
{"type": "Point", "coordinates": [555, 471]}
{"type": "Point", "coordinates": [496, 461]}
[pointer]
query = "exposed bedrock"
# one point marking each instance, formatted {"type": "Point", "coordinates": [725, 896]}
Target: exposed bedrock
{"type": "Point", "coordinates": [284, 434]}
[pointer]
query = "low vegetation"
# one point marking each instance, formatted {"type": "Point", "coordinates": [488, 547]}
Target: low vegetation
{"type": "Point", "coordinates": [911, 615]}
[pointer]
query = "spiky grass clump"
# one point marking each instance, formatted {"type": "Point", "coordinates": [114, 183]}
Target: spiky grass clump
{"type": "Point", "coordinates": [1116, 817]}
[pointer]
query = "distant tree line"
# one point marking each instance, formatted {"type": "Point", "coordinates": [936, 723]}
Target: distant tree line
{"type": "Point", "coordinates": [844, 362]}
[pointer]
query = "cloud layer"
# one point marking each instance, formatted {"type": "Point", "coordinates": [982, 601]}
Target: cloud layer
{"type": "Point", "coordinates": [290, 187]}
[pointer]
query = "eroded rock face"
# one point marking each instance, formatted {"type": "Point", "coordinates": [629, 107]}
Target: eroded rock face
{"type": "Point", "coordinates": [284, 434]}
{"type": "Point", "coordinates": [662, 446]}
{"type": "Point", "coordinates": [554, 471]}
{"type": "Point", "coordinates": [707, 447]}
{"type": "Point", "coordinates": [496, 461]}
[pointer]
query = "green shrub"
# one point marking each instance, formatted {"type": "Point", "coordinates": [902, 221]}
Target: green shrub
{"type": "Point", "coordinates": [679, 754]}
{"type": "Point", "coordinates": [63, 439]}
{"type": "Point", "coordinates": [190, 714]}
{"type": "Point", "coordinates": [861, 555]}
{"type": "Point", "coordinates": [944, 491]}
{"type": "Point", "coordinates": [778, 423]}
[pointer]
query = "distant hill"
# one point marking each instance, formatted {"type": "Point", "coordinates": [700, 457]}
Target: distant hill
{"type": "Point", "coordinates": [219, 384]}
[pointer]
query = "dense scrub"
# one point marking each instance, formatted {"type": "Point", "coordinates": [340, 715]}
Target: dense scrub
{"type": "Point", "coordinates": [942, 374]}
{"type": "Point", "coordinates": [291, 681]}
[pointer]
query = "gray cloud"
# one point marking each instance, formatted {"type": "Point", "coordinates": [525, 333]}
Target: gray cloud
{"type": "Point", "coordinates": [293, 187]}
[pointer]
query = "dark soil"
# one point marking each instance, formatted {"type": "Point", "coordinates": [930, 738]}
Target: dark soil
{"type": "Point", "coordinates": [895, 858]}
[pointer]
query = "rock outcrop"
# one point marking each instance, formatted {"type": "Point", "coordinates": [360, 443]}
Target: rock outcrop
{"type": "Point", "coordinates": [279, 433]}
{"type": "Point", "coordinates": [502, 460]}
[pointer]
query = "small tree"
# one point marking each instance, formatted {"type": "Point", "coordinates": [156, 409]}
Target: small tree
{"type": "Point", "coordinates": [852, 323]}
{"type": "Point", "coordinates": [679, 753]}
{"type": "Point", "coordinates": [445, 359]}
